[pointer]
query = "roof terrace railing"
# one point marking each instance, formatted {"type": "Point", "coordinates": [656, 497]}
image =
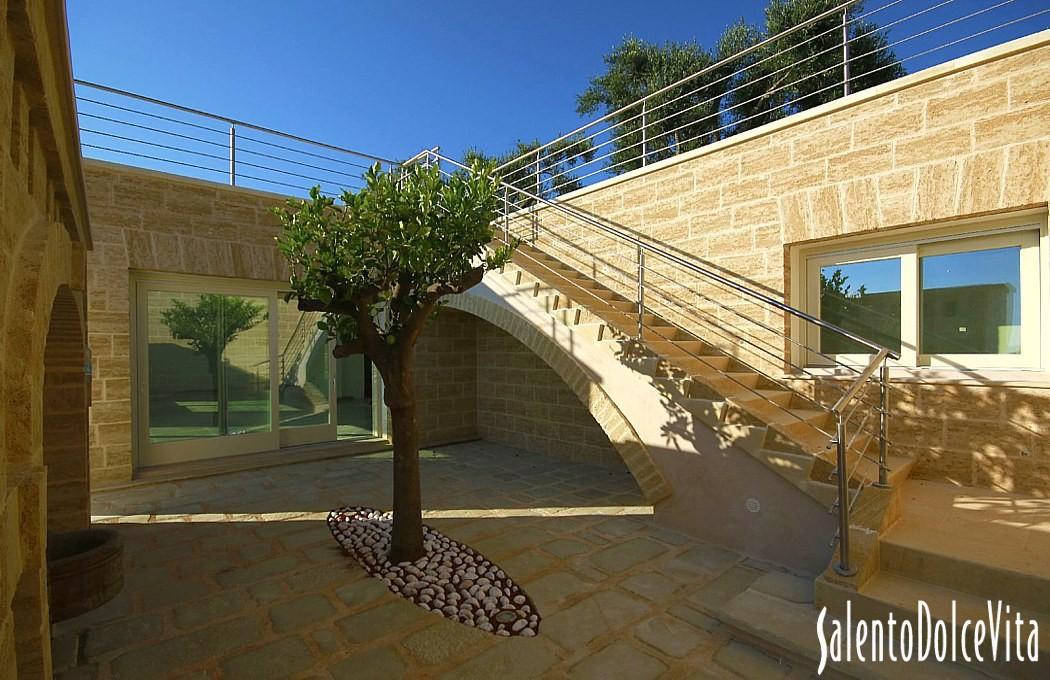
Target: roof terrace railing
{"type": "Point", "coordinates": [137, 130]}
{"type": "Point", "coordinates": [835, 53]}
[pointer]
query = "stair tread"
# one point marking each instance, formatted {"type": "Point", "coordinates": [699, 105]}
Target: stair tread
{"type": "Point", "coordinates": [783, 624]}
{"type": "Point", "coordinates": [904, 593]}
{"type": "Point", "coordinates": [996, 529]}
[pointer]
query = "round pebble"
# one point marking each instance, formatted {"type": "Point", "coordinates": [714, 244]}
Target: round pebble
{"type": "Point", "coordinates": [451, 579]}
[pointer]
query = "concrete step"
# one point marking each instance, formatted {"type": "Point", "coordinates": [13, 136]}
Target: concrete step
{"type": "Point", "coordinates": [989, 544]}
{"type": "Point", "coordinates": [775, 612]}
{"type": "Point", "coordinates": [888, 592]}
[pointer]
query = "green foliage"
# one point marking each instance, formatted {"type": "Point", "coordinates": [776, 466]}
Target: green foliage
{"type": "Point", "coordinates": [837, 299]}
{"type": "Point", "coordinates": [212, 323]}
{"type": "Point", "coordinates": [398, 245]}
{"type": "Point", "coordinates": [804, 69]}
{"type": "Point", "coordinates": [788, 75]}
{"type": "Point", "coordinates": [681, 119]}
{"type": "Point", "coordinates": [554, 175]}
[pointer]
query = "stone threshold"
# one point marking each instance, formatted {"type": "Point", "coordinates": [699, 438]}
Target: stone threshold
{"type": "Point", "coordinates": [176, 472]}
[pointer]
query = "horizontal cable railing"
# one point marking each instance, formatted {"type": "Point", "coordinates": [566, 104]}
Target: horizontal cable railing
{"type": "Point", "coordinates": [844, 49]}
{"type": "Point", "coordinates": [132, 129]}
{"type": "Point", "coordinates": [770, 339]}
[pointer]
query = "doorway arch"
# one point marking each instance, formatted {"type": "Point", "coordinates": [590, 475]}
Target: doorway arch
{"type": "Point", "coordinates": [65, 416]}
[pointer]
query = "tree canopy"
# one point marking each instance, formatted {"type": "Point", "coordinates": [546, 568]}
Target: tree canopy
{"type": "Point", "coordinates": [553, 176]}
{"type": "Point", "coordinates": [785, 76]}
{"type": "Point", "coordinates": [804, 69]}
{"type": "Point", "coordinates": [683, 118]}
{"type": "Point", "coordinates": [377, 266]}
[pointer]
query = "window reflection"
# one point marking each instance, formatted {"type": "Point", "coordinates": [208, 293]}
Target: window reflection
{"type": "Point", "coordinates": [862, 297]}
{"type": "Point", "coordinates": [971, 302]}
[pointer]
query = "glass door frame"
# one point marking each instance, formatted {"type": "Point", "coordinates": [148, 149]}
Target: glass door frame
{"type": "Point", "coordinates": [149, 454]}
{"type": "Point", "coordinates": [301, 435]}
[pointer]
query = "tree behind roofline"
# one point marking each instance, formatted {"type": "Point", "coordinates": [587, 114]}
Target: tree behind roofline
{"type": "Point", "coordinates": [378, 266]}
{"type": "Point", "coordinates": [680, 119]}
{"type": "Point", "coordinates": [804, 69]}
{"type": "Point", "coordinates": [792, 74]}
{"type": "Point", "coordinates": [556, 174]}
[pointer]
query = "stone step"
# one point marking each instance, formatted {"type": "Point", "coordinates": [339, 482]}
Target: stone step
{"type": "Point", "coordinates": [775, 612]}
{"type": "Point", "coordinates": [888, 592]}
{"type": "Point", "coordinates": [989, 544]}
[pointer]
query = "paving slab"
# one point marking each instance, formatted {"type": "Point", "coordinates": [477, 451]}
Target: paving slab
{"type": "Point", "coordinates": [273, 661]}
{"type": "Point", "coordinates": [276, 597]}
{"type": "Point", "coordinates": [618, 661]}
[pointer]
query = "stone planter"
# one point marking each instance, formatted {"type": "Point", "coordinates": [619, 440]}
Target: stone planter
{"type": "Point", "coordinates": [85, 569]}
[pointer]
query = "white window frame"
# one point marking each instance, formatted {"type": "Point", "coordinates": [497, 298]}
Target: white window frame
{"type": "Point", "coordinates": [1027, 232]}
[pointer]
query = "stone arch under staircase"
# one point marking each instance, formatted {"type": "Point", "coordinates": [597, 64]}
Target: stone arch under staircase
{"type": "Point", "coordinates": [589, 391]}
{"type": "Point", "coordinates": [898, 546]}
{"type": "Point", "coordinates": [701, 479]}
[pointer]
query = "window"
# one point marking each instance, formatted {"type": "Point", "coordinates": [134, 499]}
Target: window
{"type": "Point", "coordinates": [955, 302]}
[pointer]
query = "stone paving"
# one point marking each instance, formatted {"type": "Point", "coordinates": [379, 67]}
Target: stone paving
{"type": "Point", "coordinates": [236, 576]}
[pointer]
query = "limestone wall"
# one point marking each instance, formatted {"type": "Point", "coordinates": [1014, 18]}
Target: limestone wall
{"type": "Point", "coordinates": [466, 370]}
{"type": "Point", "coordinates": [151, 221]}
{"type": "Point", "coordinates": [522, 402]}
{"type": "Point", "coordinates": [446, 374]}
{"type": "Point", "coordinates": [44, 233]}
{"type": "Point", "coordinates": [966, 139]}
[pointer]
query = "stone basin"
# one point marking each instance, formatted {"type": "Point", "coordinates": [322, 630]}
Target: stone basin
{"type": "Point", "coordinates": [85, 569]}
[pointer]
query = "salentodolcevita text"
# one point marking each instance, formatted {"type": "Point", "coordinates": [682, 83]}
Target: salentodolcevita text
{"type": "Point", "coordinates": [1002, 634]}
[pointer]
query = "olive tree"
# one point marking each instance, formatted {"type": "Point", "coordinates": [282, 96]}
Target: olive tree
{"type": "Point", "coordinates": [378, 265]}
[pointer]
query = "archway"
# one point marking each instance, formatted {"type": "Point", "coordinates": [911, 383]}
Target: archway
{"type": "Point", "coordinates": [591, 394]}
{"type": "Point", "coordinates": [65, 416]}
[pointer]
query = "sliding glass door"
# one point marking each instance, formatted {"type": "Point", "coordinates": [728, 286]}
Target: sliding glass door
{"type": "Point", "coordinates": [305, 385]}
{"type": "Point", "coordinates": [228, 368]}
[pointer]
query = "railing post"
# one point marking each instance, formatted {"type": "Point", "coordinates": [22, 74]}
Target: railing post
{"type": "Point", "coordinates": [884, 417]}
{"type": "Point", "coordinates": [641, 291]}
{"type": "Point", "coordinates": [506, 216]}
{"type": "Point", "coordinates": [845, 52]}
{"type": "Point", "coordinates": [539, 194]}
{"type": "Point", "coordinates": [539, 179]}
{"type": "Point", "coordinates": [645, 136]}
{"type": "Point", "coordinates": [233, 156]}
{"type": "Point", "coordinates": [842, 472]}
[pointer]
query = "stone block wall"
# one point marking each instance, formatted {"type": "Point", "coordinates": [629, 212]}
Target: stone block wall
{"type": "Point", "coordinates": [156, 222]}
{"type": "Point", "coordinates": [44, 233]}
{"type": "Point", "coordinates": [522, 402]}
{"type": "Point", "coordinates": [446, 374]}
{"type": "Point", "coordinates": [966, 139]}
{"type": "Point", "coordinates": [149, 221]}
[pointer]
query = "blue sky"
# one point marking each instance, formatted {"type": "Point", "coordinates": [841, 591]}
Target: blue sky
{"type": "Point", "coordinates": [386, 77]}
{"type": "Point", "coordinates": [392, 78]}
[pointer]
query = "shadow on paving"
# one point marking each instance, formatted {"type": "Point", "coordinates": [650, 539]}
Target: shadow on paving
{"type": "Point", "coordinates": [277, 598]}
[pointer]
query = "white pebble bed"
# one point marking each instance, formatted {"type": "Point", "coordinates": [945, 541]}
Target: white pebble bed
{"type": "Point", "coordinates": [451, 579]}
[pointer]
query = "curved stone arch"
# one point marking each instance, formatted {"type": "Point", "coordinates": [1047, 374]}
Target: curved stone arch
{"type": "Point", "coordinates": [591, 394]}
{"type": "Point", "coordinates": [43, 266]}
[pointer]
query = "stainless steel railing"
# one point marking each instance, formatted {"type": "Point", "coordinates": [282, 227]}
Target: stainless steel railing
{"type": "Point", "coordinates": [730, 314]}
{"type": "Point", "coordinates": [144, 131]}
{"type": "Point", "coordinates": [662, 282]}
{"type": "Point", "coordinates": [863, 48]}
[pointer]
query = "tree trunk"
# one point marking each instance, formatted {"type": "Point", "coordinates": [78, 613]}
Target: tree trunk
{"type": "Point", "coordinates": [407, 540]}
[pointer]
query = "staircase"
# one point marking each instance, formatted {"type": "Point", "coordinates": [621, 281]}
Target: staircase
{"type": "Point", "coordinates": [893, 547]}
{"type": "Point", "coordinates": [780, 428]}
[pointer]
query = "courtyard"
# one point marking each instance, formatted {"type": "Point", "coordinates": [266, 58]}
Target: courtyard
{"type": "Point", "coordinates": [251, 584]}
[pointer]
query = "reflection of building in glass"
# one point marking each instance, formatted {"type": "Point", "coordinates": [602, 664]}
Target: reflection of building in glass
{"type": "Point", "coordinates": [978, 319]}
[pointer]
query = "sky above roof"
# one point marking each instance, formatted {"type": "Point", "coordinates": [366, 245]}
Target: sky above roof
{"type": "Point", "coordinates": [385, 77]}
{"type": "Point", "coordinates": [392, 78]}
